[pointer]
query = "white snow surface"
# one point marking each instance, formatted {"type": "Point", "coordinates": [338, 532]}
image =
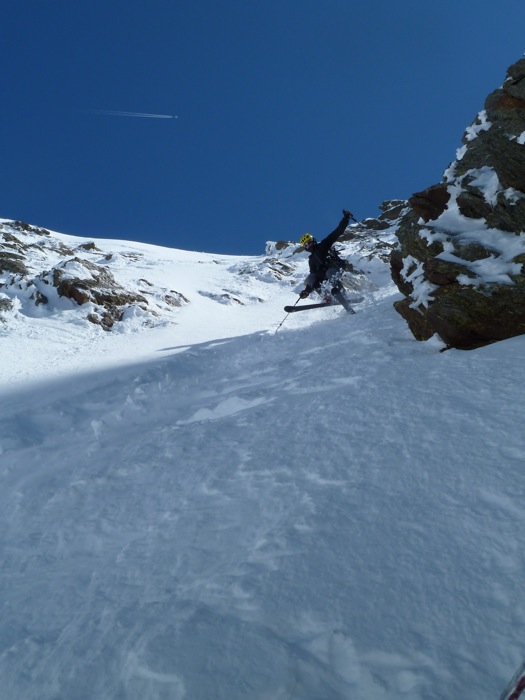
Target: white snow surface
{"type": "Point", "coordinates": [210, 510]}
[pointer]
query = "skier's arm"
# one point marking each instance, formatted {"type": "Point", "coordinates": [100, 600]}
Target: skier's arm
{"type": "Point", "coordinates": [338, 232]}
{"type": "Point", "coordinates": [309, 285]}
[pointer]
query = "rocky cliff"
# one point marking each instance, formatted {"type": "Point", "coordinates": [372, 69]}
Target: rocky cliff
{"type": "Point", "coordinates": [460, 260]}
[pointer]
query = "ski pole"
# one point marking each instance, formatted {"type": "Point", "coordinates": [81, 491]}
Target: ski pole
{"type": "Point", "coordinates": [284, 319]}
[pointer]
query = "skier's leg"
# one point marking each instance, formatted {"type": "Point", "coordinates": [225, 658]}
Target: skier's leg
{"type": "Point", "coordinates": [334, 277]}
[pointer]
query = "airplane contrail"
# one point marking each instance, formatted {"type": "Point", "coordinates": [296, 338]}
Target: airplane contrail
{"type": "Point", "coordinates": [115, 113]}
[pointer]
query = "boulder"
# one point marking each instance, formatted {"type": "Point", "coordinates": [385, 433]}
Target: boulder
{"type": "Point", "coordinates": [460, 257]}
{"type": "Point", "coordinates": [83, 281]}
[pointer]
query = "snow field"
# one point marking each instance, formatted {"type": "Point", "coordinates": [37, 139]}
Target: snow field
{"type": "Point", "coordinates": [333, 511]}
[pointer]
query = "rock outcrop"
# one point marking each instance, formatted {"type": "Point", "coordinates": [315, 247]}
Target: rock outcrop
{"type": "Point", "coordinates": [460, 261]}
{"type": "Point", "coordinates": [39, 273]}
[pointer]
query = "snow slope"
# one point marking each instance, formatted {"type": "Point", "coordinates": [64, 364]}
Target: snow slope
{"type": "Point", "coordinates": [329, 512]}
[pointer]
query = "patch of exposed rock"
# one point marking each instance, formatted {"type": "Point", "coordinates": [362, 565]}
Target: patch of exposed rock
{"type": "Point", "coordinates": [461, 253]}
{"type": "Point", "coordinates": [85, 282]}
{"type": "Point", "coordinates": [39, 270]}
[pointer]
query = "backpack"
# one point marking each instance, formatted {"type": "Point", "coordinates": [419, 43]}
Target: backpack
{"type": "Point", "coordinates": [333, 259]}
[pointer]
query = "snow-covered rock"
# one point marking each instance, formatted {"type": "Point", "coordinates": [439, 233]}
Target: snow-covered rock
{"type": "Point", "coordinates": [461, 254]}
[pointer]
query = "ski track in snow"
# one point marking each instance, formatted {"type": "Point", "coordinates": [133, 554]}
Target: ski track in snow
{"type": "Point", "coordinates": [332, 512]}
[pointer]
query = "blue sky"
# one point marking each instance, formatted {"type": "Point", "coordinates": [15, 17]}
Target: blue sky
{"type": "Point", "coordinates": [287, 111]}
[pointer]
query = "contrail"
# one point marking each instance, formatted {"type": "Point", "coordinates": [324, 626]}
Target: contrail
{"type": "Point", "coordinates": [115, 113]}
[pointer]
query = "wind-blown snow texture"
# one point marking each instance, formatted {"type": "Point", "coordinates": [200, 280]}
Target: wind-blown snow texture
{"type": "Point", "coordinates": [331, 512]}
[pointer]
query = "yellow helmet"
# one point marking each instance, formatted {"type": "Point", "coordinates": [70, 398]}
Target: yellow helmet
{"type": "Point", "coordinates": [305, 238]}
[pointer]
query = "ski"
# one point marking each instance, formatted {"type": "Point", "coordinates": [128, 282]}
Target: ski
{"type": "Point", "coordinates": [346, 302]}
{"type": "Point", "coordinates": [325, 304]}
{"type": "Point", "coordinates": [306, 307]}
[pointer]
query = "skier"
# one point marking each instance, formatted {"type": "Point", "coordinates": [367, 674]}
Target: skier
{"type": "Point", "coordinates": [325, 264]}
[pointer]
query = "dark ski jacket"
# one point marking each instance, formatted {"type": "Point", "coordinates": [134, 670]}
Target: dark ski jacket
{"type": "Point", "coordinates": [322, 258]}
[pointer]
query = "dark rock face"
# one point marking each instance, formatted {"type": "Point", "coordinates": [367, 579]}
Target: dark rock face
{"type": "Point", "coordinates": [461, 254]}
{"type": "Point", "coordinates": [431, 203]}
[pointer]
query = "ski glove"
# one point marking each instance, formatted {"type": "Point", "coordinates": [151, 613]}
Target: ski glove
{"type": "Point", "coordinates": [347, 214]}
{"type": "Point", "coordinates": [306, 291]}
